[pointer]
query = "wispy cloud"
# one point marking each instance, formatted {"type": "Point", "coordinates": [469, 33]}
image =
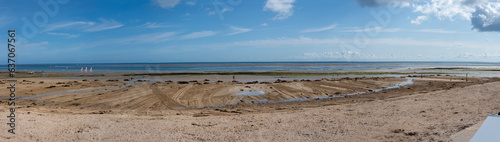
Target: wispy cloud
{"type": "Point", "coordinates": [4, 20]}
{"type": "Point", "coordinates": [439, 31]}
{"type": "Point", "coordinates": [64, 34]}
{"type": "Point", "coordinates": [373, 29]}
{"type": "Point", "coordinates": [86, 26]}
{"type": "Point", "coordinates": [199, 34]}
{"type": "Point", "coordinates": [136, 39]}
{"type": "Point", "coordinates": [154, 25]}
{"type": "Point", "coordinates": [166, 3]}
{"type": "Point", "coordinates": [419, 20]}
{"type": "Point", "coordinates": [320, 29]}
{"type": "Point", "coordinates": [59, 26]}
{"type": "Point", "coordinates": [104, 25]}
{"type": "Point", "coordinates": [238, 30]}
{"type": "Point", "coordinates": [35, 46]}
{"type": "Point", "coordinates": [190, 3]}
{"type": "Point", "coordinates": [284, 8]}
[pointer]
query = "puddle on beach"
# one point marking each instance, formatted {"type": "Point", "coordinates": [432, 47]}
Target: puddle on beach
{"type": "Point", "coordinates": [251, 93]}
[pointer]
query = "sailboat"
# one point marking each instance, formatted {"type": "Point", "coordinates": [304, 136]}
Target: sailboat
{"type": "Point", "coordinates": [90, 69]}
{"type": "Point", "coordinates": [85, 69]}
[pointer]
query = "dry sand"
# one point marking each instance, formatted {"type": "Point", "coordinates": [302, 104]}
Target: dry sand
{"type": "Point", "coordinates": [431, 109]}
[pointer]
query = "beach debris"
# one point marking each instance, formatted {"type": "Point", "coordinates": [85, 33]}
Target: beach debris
{"type": "Point", "coordinates": [279, 81]}
{"type": "Point", "coordinates": [182, 82]}
{"type": "Point", "coordinates": [252, 82]}
{"type": "Point", "coordinates": [199, 115]}
{"type": "Point", "coordinates": [84, 80]}
{"type": "Point", "coordinates": [102, 112]}
{"type": "Point", "coordinates": [65, 85]}
{"type": "Point", "coordinates": [41, 82]}
{"type": "Point", "coordinates": [196, 81]}
{"type": "Point", "coordinates": [206, 80]}
{"type": "Point", "coordinates": [220, 81]}
{"type": "Point", "coordinates": [52, 86]}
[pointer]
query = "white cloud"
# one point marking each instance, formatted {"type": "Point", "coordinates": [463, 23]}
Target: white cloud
{"type": "Point", "coordinates": [238, 30]}
{"type": "Point", "coordinates": [264, 24]}
{"type": "Point", "coordinates": [64, 34]}
{"type": "Point", "coordinates": [320, 29]}
{"type": "Point", "coordinates": [483, 14]}
{"type": "Point", "coordinates": [199, 34]}
{"type": "Point", "coordinates": [486, 18]}
{"type": "Point", "coordinates": [284, 8]}
{"type": "Point", "coordinates": [419, 20]}
{"type": "Point", "coordinates": [104, 25]}
{"type": "Point", "coordinates": [166, 3]}
{"type": "Point", "coordinates": [154, 25]}
{"type": "Point", "coordinates": [190, 3]}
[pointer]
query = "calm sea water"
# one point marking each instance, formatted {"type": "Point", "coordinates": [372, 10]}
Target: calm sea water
{"type": "Point", "coordinates": [238, 66]}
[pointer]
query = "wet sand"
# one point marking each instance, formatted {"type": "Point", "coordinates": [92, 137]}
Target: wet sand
{"type": "Point", "coordinates": [160, 108]}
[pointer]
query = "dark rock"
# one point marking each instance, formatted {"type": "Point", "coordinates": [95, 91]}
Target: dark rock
{"type": "Point", "coordinates": [182, 82]}
{"type": "Point", "coordinates": [398, 131]}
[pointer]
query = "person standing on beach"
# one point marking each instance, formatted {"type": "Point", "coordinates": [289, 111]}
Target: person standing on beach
{"type": "Point", "coordinates": [233, 77]}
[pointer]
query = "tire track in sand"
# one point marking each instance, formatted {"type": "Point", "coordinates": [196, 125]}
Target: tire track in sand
{"type": "Point", "coordinates": [165, 100]}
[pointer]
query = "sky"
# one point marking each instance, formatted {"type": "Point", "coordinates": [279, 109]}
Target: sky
{"type": "Point", "coordinates": [133, 31]}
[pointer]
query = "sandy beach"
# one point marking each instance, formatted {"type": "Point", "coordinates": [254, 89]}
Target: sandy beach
{"type": "Point", "coordinates": [211, 107]}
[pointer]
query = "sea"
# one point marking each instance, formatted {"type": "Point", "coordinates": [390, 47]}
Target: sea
{"type": "Point", "coordinates": [241, 66]}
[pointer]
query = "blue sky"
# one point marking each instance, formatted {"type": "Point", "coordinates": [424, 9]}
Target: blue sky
{"type": "Point", "coordinates": [112, 31]}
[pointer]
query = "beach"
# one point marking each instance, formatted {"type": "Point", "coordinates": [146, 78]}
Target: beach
{"type": "Point", "coordinates": [348, 105]}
